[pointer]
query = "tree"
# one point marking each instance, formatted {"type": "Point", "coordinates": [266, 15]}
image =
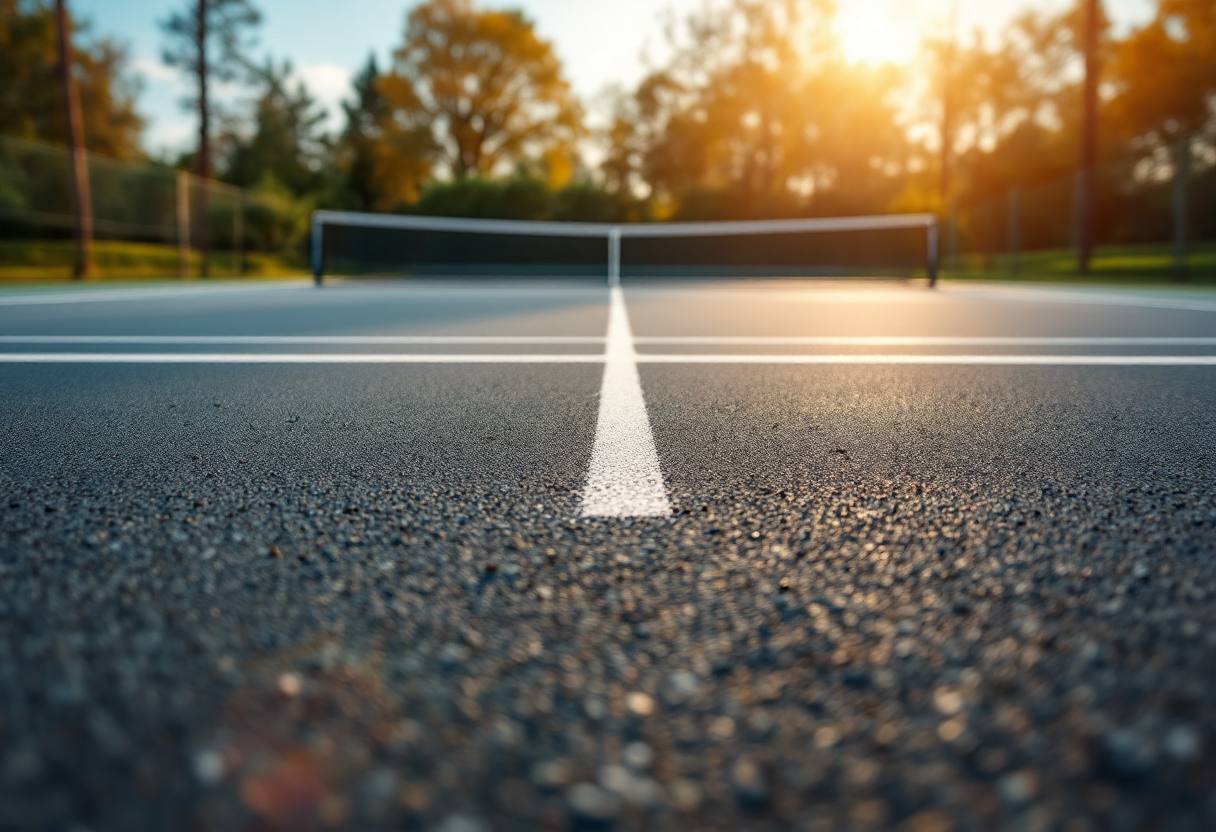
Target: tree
{"type": "Point", "coordinates": [31, 102]}
{"type": "Point", "coordinates": [758, 113]}
{"type": "Point", "coordinates": [365, 117]}
{"type": "Point", "coordinates": [1166, 78]}
{"type": "Point", "coordinates": [486, 87]}
{"type": "Point", "coordinates": [385, 159]}
{"type": "Point", "coordinates": [1165, 73]}
{"type": "Point", "coordinates": [287, 142]}
{"type": "Point", "coordinates": [82, 203]}
{"type": "Point", "coordinates": [192, 35]}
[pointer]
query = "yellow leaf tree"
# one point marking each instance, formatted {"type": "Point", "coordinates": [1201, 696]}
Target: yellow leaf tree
{"type": "Point", "coordinates": [487, 87]}
{"type": "Point", "coordinates": [1165, 73]}
{"type": "Point", "coordinates": [1166, 78]}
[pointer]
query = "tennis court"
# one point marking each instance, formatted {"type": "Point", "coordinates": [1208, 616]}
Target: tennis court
{"type": "Point", "coordinates": [571, 552]}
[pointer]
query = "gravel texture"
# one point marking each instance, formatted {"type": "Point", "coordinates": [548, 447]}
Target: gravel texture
{"type": "Point", "coordinates": [923, 599]}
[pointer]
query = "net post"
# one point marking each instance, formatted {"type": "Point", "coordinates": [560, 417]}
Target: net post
{"type": "Point", "coordinates": [318, 268]}
{"type": "Point", "coordinates": [933, 253]}
{"type": "Point", "coordinates": [614, 256]}
{"type": "Point", "coordinates": [238, 232]}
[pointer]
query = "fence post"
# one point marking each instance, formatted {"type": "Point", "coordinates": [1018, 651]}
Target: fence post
{"type": "Point", "coordinates": [183, 224]}
{"type": "Point", "coordinates": [934, 265]}
{"type": "Point", "coordinates": [1182, 172]}
{"type": "Point", "coordinates": [238, 234]}
{"type": "Point", "coordinates": [1015, 242]}
{"type": "Point", "coordinates": [952, 236]}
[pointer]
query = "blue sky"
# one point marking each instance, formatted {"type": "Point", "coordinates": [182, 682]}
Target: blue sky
{"type": "Point", "coordinates": [601, 42]}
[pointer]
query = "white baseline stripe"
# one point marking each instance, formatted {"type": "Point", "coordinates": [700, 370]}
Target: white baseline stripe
{"type": "Point", "coordinates": [630, 406]}
{"type": "Point", "coordinates": [695, 340]}
{"type": "Point", "coordinates": [317, 340]}
{"type": "Point", "coordinates": [167, 293]}
{"type": "Point", "coordinates": [283, 358]}
{"type": "Point", "coordinates": [624, 478]}
{"type": "Point", "coordinates": [925, 341]}
{"type": "Point", "coordinates": [946, 360]}
{"type": "Point", "coordinates": [1074, 296]}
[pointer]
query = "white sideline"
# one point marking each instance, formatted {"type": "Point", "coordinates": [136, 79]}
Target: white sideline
{"type": "Point", "coordinates": [923, 341]}
{"type": "Point", "coordinates": [99, 295]}
{"type": "Point", "coordinates": [620, 380]}
{"type": "Point", "coordinates": [624, 478]}
{"type": "Point", "coordinates": [676, 340]}
{"type": "Point", "coordinates": [1101, 297]}
{"type": "Point", "coordinates": [315, 340]}
{"type": "Point", "coordinates": [285, 358]}
{"type": "Point", "coordinates": [945, 360]}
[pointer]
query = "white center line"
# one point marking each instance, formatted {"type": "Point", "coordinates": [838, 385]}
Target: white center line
{"type": "Point", "coordinates": [624, 478]}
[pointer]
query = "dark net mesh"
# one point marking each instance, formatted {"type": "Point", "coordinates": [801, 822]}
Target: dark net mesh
{"type": "Point", "coordinates": [369, 251]}
{"type": "Point", "coordinates": [353, 249]}
{"type": "Point", "coordinates": [872, 252]}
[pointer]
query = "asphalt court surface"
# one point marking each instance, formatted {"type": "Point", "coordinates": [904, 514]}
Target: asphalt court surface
{"type": "Point", "coordinates": [899, 558]}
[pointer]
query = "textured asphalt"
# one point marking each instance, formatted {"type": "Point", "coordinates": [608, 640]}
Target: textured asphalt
{"type": "Point", "coordinates": [274, 597]}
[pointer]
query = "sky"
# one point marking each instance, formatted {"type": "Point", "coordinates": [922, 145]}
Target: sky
{"type": "Point", "coordinates": [601, 42]}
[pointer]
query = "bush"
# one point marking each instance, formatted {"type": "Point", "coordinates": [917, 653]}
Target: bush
{"type": "Point", "coordinates": [519, 198]}
{"type": "Point", "coordinates": [585, 202]}
{"type": "Point", "coordinates": [275, 220]}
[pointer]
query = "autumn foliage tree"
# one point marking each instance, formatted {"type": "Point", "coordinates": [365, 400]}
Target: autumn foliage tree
{"type": "Point", "coordinates": [1165, 73]}
{"type": "Point", "coordinates": [759, 113]}
{"type": "Point", "coordinates": [484, 88]}
{"type": "Point", "coordinates": [31, 101]}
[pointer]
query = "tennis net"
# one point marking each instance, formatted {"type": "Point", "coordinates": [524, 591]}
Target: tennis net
{"type": "Point", "coordinates": [355, 244]}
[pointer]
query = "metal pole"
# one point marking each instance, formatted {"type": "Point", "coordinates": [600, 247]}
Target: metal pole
{"type": "Point", "coordinates": [204, 143]}
{"type": "Point", "coordinates": [1089, 139]}
{"type": "Point", "coordinates": [952, 231]}
{"type": "Point", "coordinates": [945, 183]}
{"type": "Point", "coordinates": [933, 256]}
{"type": "Point", "coordinates": [1015, 242]}
{"type": "Point", "coordinates": [1182, 172]}
{"type": "Point", "coordinates": [183, 224]}
{"type": "Point", "coordinates": [238, 234]}
{"type": "Point", "coordinates": [614, 256]}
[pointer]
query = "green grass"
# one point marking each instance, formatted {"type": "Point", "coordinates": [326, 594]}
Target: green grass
{"type": "Point", "coordinates": [1121, 265]}
{"type": "Point", "coordinates": [50, 261]}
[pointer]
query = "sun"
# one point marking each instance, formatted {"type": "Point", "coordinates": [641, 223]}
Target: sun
{"type": "Point", "coordinates": [876, 33]}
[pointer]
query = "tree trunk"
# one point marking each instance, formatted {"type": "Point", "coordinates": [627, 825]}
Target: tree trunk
{"type": "Point", "coordinates": [1182, 173]}
{"type": "Point", "coordinates": [1015, 242]}
{"type": "Point", "coordinates": [946, 186]}
{"type": "Point", "coordinates": [78, 163]}
{"type": "Point", "coordinates": [204, 146]}
{"type": "Point", "coordinates": [1089, 140]}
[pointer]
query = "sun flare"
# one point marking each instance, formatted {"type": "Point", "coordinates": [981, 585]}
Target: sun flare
{"type": "Point", "coordinates": [871, 34]}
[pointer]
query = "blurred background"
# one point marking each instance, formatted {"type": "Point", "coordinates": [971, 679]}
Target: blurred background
{"type": "Point", "coordinates": [192, 138]}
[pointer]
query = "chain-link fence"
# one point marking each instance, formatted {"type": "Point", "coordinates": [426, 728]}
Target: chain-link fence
{"type": "Point", "coordinates": [1152, 219]}
{"type": "Point", "coordinates": [148, 220]}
